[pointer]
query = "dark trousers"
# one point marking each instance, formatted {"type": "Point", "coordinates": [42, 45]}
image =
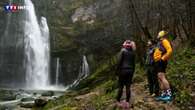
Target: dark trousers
{"type": "Point", "coordinates": [152, 80]}
{"type": "Point", "coordinates": [125, 79]}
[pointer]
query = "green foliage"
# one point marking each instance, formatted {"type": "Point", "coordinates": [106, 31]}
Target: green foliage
{"type": "Point", "coordinates": [101, 102]}
{"type": "Point", "coordinates": [110, 86]}
{"type": "Point", "coordinates": [183, 98]}
{"type": "Point", "coordinates": [107, 96]}
{"type": "Point", "coordinates": [139, 75]}
{"type": "Point", "coordinates": [77, 3]}
{"type": "Point", "coordinates": [181, 75]}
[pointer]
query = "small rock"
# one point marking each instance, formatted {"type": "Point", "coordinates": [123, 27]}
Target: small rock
{"type": "Point", "coordinates": [140, 101]}
{"type": "Point", "coordinates": [193, 98]}
{"type": "Point", "coordinates": [193, 52]}
{"type": "Point", "coordinates": [86, 96]}
{"type": "Point", "coordinates": [193, 86]}
{"type": "Point", "coordinates": [41, 101]}
{"type": "Point", "coordinates": [27, 99]}
{"type": "Point", "coordinates": [191, 107]}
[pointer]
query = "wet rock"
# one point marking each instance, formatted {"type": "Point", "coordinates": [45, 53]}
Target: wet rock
{"type": "Point", "coordinates": [27, 99]}
{"type": "Point", "coordinates": [48, 93]}
{"type": "Point", "coordinates": [7, 95]}
{"type": "Point", "coordinates": [23, 95]}
{"type": "Point", "coordinates": [4, 108]}
{"type": "Point", "coordinates": [29, 104]}
{"type": "Point", "coordinates": [41, 101]}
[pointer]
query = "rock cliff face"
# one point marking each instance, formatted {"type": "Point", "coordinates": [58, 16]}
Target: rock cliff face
{"type": "Point", "coordinates": [11, 47]}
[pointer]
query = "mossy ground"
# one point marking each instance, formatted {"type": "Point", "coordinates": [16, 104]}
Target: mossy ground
{"type": "Point", "coordinates": [98, 91]}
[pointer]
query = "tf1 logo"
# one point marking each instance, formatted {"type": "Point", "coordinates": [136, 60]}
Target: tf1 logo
{"type": "Point", "coordinates": [13, 7]}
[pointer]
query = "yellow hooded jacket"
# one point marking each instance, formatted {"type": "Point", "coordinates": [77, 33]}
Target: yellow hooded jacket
{"type": "Point", "coordinates": [159, 54]}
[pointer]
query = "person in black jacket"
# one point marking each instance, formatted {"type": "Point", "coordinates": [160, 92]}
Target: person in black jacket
{"type": "Point", "coordinates": [150, 69]}
{"type": "Point", "coordinates": [126, 68]}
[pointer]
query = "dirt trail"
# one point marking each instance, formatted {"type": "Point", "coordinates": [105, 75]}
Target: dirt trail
{"type": "Point", "coordinates": [141, 100]}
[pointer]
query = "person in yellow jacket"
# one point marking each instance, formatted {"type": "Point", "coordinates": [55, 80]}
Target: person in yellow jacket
{"type": "Point", "coordinates": [161, 55]}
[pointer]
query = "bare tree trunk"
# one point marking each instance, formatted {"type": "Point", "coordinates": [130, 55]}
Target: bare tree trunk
{"type": "Point", "coordinates": [192, 31]}
{"type": "Point", "coordinates": [189, 14]}
{"type": "Point", "coordinates": [144, 29]}
{"type": "Point", "coordinates": [184, 28]}
{"type": "Point", "coordinates": [192, 12]}
{"type": "Point", "coordinates": [179, 34]}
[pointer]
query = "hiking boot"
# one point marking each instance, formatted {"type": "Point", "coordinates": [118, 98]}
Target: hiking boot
{"type": "Point", "coordinates": [166, 98]}
{"type": "Point", "coordinates": [159, 98]}
{"type": "Point", "coordinates": [163, 94]}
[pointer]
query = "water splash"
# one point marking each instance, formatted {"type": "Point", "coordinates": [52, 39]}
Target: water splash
{"type": "Point", "coordinates": [36, 49]}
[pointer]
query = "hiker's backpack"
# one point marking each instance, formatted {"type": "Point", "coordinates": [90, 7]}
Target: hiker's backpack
{"type": "Point", "coordinates": [149, 56]}
{"type": "Point", "coordinates": [161, 50]}
{"type": "Point", "coordinates": [171, 36]}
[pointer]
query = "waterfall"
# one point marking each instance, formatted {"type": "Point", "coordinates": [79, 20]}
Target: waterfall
{"type": "Point", "coordinates": [57, 70]}
{"type": "Point", "coordinates": [36, 49]}
{"type": "Point", "coordinates": [84, 71]}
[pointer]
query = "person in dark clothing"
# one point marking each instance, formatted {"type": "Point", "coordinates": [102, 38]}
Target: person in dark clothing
{"type": "Point", "coordinates": [151, 73]}
{"type": "Point", "coordinates": [126, 67]}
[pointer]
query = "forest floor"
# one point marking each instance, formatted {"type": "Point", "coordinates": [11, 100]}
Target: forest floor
{"type": "Point", "coordinates": [97, 100]}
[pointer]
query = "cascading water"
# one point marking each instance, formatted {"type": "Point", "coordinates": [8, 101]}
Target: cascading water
{"type": "Point", "coordinates": [57, 70]}
{"type": "Point", "coordinates": [36, 49]}
{"type": "Point", "coordinates": [84, 71]}
{"type": "Point", "coordinates": [25, 54]}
